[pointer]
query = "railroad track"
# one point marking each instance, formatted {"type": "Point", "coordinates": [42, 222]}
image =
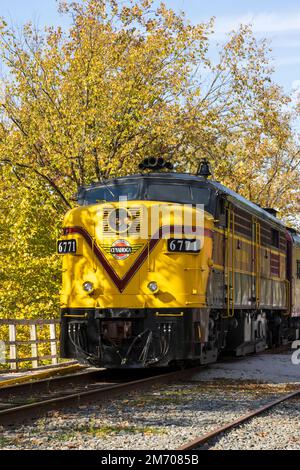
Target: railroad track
{"type": "Point", "coordinates": [22, 402]}
{"type": "Point", "coordinates": [199, 441]}
{"type": "Point", "coordinates": [21, 393]}
{"type": "Point", "coordinates": [43, 374]}
{"type": "Point", "coordinates": [34, 398]}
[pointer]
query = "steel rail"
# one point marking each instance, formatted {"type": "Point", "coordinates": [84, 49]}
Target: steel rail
{"type": "Point", "coordinates": [226, 427]}
{"type": "Point", "coordinates": [19, 414]}
{"type": "Point", "coordinates": [47, 385]}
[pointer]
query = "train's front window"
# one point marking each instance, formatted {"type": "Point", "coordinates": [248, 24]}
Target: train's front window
{"type": "Point", "coordinates": [179, 193]}
{"type": "Point", "coordinates": [111, 193]}
{"type": "Point", "coordinates": [201, 196]}
{"type": "Point", "coordinates": [169, 192]}
{"type": "Point", "coordinates": [162, 191]}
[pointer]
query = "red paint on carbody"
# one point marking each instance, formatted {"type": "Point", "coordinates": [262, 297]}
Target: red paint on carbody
{"type": "Point", "coordinates": [121, 283]}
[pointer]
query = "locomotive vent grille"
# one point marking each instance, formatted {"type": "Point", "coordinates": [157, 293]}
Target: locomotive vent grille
{"type": "Point", "coordinates": [123, 221]}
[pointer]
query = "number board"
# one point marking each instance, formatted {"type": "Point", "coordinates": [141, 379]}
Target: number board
{"type": "Point", "coordinates": [66, 246]}
{"type": "Point", "coordinates": [183, 245]}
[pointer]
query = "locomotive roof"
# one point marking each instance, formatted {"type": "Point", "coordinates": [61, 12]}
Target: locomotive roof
{"type": "Point", "coordinates": [295, 235]}
{"type": "Point", "coordinates": [187, 177]}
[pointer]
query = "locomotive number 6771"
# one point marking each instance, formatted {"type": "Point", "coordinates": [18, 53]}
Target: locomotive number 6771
{"type": "Point", "coordinates": [136, 295]}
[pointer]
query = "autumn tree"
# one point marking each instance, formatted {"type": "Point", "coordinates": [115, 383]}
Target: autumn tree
{"type": "Point", "coordinates": [125, 82]}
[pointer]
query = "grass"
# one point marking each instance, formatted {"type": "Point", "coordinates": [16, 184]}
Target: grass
{"type": "Point", "coordinates": [117, 429]}
{"type": "Point", "coordinates": [5, 441]}
{"type": "Point", "coordinates": [109, 430]}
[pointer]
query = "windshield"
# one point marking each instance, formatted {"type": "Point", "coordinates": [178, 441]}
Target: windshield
{"type": "Point", "coordinates": [164, 191]}
{"type": "Point", "coordinates": [111, 193]}
{"type": "Point", "coordinates": [182, 193]}
{"type": "Point", "coordinates": [168, 193]}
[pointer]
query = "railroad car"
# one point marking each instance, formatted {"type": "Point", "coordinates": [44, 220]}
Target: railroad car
{"type": "Point", "coordinates": [165, 269]}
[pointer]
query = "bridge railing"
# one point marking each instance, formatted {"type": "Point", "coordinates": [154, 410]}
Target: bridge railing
{"type": "Point", "coordinates": [26, 341]}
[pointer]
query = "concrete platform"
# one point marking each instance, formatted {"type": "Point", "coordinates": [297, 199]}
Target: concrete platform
{"type": "Point", "coordinates": [265, 368]}
{"type": "Point", "coordinates": [13, 375]}
{"type": "Point", "coordinates": [11, 378]}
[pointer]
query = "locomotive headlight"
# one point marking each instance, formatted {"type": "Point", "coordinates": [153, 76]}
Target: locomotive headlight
{"type": "Point", "coordinates": [153, 287]}
{"type": "Point", "coordinates": [88, 287]}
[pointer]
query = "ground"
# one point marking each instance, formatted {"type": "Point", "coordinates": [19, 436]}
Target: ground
{"type": "Point", "coordinates": [166, 417]}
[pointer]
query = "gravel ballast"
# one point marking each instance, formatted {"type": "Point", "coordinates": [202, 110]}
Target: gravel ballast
{"type": "Point", "coordinates": [278, 429]}
{"type": "Point", "coordinates": [167, 417]}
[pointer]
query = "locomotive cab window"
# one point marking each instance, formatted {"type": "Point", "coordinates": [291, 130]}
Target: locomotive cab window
{"type": "Point", "coordinates": [169, 192]}
{"type": "Point", "coordinates": [110, 193]}
{"type": "Point", "coordinates": [179, 193]}
{"type": "Point", "coordinates": [147, 190]}
{"type": "Point", "coordinates": [298, 269]}
{"type": "Point", "coordinates": [221, 213]}
{"type": "Point", "coordinates": [201, 196]}
{"type": "Point", "coordinates": [274, 237]}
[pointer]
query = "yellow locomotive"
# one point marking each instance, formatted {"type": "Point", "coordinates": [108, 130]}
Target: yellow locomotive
{"type": "Point", "coordinates": [163, 268]}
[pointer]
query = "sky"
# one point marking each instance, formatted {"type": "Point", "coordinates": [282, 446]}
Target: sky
{"type": "Point", "coordinates": [278, 21]}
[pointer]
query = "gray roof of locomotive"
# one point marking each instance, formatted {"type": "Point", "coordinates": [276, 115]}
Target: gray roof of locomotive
{"type": "Point", "coordinates": [234, 197]}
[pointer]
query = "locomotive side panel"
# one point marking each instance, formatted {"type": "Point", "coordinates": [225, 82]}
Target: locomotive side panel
{"type": "Point", "coordinates": [248, 270]}
{"type": "Point", "coordinates": [295, 301]}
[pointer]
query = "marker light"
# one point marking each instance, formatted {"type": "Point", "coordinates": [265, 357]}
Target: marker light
{"type": "Point", "coordinates": [153, 287]}
{"type": "Point", "coordinates": [88, 287]}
